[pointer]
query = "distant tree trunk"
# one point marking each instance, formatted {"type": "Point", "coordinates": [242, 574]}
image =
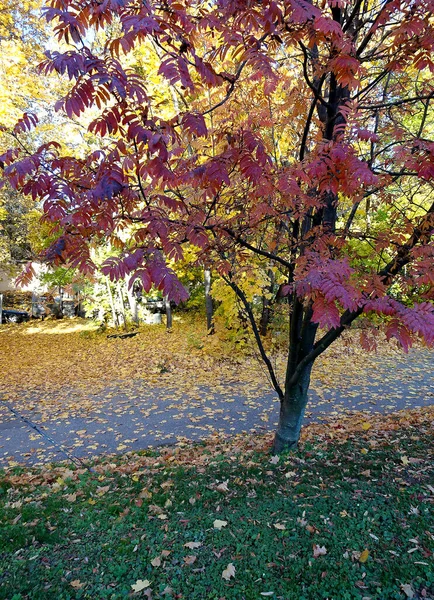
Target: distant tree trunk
{"type": "Point", "coordinates": [208, 302]}
{"type": "Point", "coordinates": [61, 300]}
{"type": "Point", "coordinates": [121, 297]}
{"type": "Point", "coordinates": [112, 304]}
{"type": "Point", "coordinates": [168, 313]}
{"type": "Point", "coordinates": [266, 306]}
{"type": "Point", "coordinates": [132, 301]}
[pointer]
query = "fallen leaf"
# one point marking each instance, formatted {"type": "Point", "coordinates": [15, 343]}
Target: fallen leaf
{"type": "Point", "coordinates": [156, 562]}
{"type": "Point", "coordinates": [408, 590]}
{"type": "Point", "coordinates": [219, 524]}
{"type": "Point", "coordinates": [404, 460]}
{"type": "Point", "coordinates": [163, 517]}
{"type": "Point", "coordinates": [364, 556]}
{"type": "Point", "coordinates": [141, 584]}
{"type": "Point", "coordinates": [71, 497]}
{"type": "Point", "coordinates": [223, 487]}
{"type": "Point", "coordinates": [366, 426]}
{"type": "Point", "coordinates": [274, 459]}
{"type": "Point", "coordinates": [193, 545]}
{"type": "Point", "coordinates": [280, 526]}
{"type": "Point", "coordinates": [311, 529]}
{"type": "Point", "coordinates": [229, 572]}
{"type": "Point", "coordinates": [189, 560]}
{"type": "Point", "coordinates": [76, 584]}
{"type": "Point", "coordinates": [319, 550]}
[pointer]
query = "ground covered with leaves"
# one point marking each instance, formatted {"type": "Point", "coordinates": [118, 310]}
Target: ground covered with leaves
{"type": "Point", "coordinates": [95, 394]}
{"type": "Point", "coordinates": [347, 516]}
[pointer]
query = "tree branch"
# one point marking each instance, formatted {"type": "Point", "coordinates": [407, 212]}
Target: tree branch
{"type": "Point", "coordinates": [239, 292]}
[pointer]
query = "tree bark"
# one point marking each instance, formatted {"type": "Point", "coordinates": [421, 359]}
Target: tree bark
{"type": "Point", "coordinates": [112, 304]}
{"type": "Point", "coordinates": [208, 302]}
{"type": "Point", "coordinates": [132, 301]}
{"type": "Point", "coordinates": [168, 313]}
{"type": "Point", "coordinates": [292, 409]}
{"type": "Point", "coordinates": [267, 308]}
{"type": "Point", "coordinates": [121, 297]}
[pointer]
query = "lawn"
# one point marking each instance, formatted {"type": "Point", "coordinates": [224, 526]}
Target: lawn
{"type": "Point", "coordinates": [347, 516]}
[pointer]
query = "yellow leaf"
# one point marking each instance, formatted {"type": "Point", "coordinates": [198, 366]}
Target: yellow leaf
{"type": "Point", "coordinates": [366, 426]}
{"type": "Point", "coordinates": [364, 451]}
{"type": "Point", "coordinates": [141, 584]}
{"type": "Point", "coordinates": [364, 556]}
{"type": "Point", "coordinates": [219, 524]}
{"type": "Point", "coordinates": [404, 460]}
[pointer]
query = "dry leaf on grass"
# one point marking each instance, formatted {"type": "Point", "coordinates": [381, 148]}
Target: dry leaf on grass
{"type": "Point", "coordinates": [319, 551]}
{"type": "Point", "coordinates": [364, 556]}
{"type": "Point", "coordinates": [193, 545]}
{"type": "Point", "coordinates": [141, 584]}
{"type": "Point", "coordinates": [229, 572]}
{"type": "Point", "coordinates": [218, 524]}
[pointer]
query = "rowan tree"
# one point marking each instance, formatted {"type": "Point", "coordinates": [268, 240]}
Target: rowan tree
{"type": "Point", "coordinates": [299, 144]}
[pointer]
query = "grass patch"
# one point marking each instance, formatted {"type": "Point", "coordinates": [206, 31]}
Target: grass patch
{"type": "Point", "coordinates": [343, 518]}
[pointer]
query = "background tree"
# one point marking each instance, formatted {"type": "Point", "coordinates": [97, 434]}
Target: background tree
{"type": "Point", "coordinates": [297, 129]}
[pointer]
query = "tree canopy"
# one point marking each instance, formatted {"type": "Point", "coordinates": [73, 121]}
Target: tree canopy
{"type": "Point", "coordinates": [291, 136]}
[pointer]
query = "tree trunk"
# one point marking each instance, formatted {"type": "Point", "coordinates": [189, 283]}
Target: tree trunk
{"type": "Point", "coordinates": [292, 409]}
{"type": "Point", "coordinates": [267, 307]}
{"type": "Point", "coordinates": [121, 298]}
{"type": "Point", "coordinates": [132, 301]}
{"type": "Point", "coordinates": [168, 313]}
{"type": "Point", "coordinates": [208, 302]}
{"type": "Point", "coordinates": [112, 304]}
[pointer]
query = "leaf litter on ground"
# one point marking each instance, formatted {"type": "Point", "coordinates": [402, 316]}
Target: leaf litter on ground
{"type": "Point", "coordinates": [349, 518]}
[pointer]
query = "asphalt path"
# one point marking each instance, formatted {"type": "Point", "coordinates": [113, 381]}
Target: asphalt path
{"type": "Point", "coordinates": [139, 417]}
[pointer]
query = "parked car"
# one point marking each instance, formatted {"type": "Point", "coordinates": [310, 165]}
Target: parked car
{"type": "Point", "coordinates": [9, 315]}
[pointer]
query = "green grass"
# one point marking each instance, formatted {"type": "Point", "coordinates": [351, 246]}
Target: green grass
{"type": "Point", "coordinates": [95, 531]}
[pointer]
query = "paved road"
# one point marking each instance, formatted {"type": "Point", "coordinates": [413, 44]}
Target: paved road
{"type": "Point", "coordinates": [122, 419]}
